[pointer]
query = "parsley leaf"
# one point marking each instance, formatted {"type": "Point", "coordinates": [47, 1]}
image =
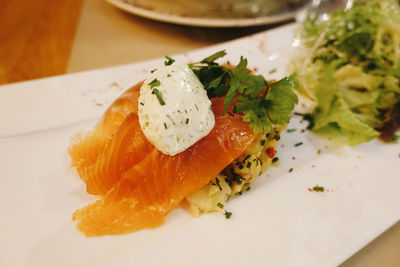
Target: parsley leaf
{"type": "Point", "coordinates": [262, 104]}
{"type": "Point", "coordinates": [258, 120]}
{"type": "Point", "coordinates": [281, 99]}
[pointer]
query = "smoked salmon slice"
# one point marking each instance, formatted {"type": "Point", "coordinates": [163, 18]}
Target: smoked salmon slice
{"type": "Point", "coordinates": [86, 148]}
{"type": "Point", "coordinates": [138, 184]}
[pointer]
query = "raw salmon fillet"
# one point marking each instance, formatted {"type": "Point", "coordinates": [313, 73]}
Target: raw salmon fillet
{"type": "Point", "coordinates": [138, 184]}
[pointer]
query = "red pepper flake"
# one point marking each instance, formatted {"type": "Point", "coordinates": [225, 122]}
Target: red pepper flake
{"type": "Point", "coordinates": [255, 69]}
{"type": "Point", "coordinates": [270, 152]}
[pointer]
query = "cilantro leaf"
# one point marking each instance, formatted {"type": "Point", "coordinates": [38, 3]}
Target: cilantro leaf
{"type": "Point", "coordinates": [280, 99]}
{"type": "Point", "coordinates": [258, 119]}
{"type": "Point", "coordinates": [261, 103]}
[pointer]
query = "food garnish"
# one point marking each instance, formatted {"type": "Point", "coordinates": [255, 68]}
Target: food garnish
{"type": "Point", "coordinates": [176, 111]}
{"type": "Point", "coordinates": [316, 188]}
{"type": "Point", "coordinates": [262, 103]}
{"type": "Point", "coordinates": [349, 64]}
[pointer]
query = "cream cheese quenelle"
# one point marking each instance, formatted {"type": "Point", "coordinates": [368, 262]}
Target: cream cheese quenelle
{"type": "Point", "coordinates": [174, 109]}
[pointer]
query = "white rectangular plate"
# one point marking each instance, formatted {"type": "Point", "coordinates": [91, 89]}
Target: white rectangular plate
{"type": "Point", "coordinates": [279, 222]}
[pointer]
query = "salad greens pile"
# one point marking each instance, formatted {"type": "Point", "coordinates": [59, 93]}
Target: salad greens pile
{"type": "Point", "coordinates": [262, 103]}
{"type": "Point", "coordinates": [350, 67]}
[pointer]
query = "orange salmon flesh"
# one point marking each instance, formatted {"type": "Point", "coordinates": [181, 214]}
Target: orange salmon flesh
{"type": "Point", "coordinates": [138, 184]}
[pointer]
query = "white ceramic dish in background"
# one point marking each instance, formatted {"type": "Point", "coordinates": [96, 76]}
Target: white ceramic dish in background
{"type": "Point", "coordinates": [277, 223]}
{"type": "Point", "coordinates": [177, 14]}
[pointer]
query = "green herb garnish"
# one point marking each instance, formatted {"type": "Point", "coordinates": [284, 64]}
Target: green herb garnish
{"type": "Point", "coordinates": [154, 83]}
{"type": "Point", "coordinates": [228, 214]}
{"type": "Point", "coordinates": [262, 103]}
{"type": "Point", "coordinates": [298, 144]}
{"type": "Point", "coordinates": [246, 158]}
{"type": "Point", "coordinates": [220, 205]}
{"type": "Point", "coordinates": [169, 61]}
{"type": "Point", "coordinates": [158, 95]}
{"type": "Point", "coordinates": [318, 188]}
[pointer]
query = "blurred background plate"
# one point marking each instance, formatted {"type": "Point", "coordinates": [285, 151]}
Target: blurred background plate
{"type": "Point", "coordinates": [213, 13]}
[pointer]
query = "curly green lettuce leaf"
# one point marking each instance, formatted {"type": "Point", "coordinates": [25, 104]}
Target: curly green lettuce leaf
{"type": "Point", "coordinates": [350, 66]}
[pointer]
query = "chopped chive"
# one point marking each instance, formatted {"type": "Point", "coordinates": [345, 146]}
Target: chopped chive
{"type": "Point", "coordinates": [165, 126]}
{"type": "Point", "coordinates": [169, 61]}
{"type": "Point", "coordinates": [187, 121]}
{"type": "Point", "coordinates": [248, 165]}
{"type": "Point", "coordinates": [277, 137]}
{"type": "Point", "coordinates": [99, 104]}
{"type": "Point", "coordinates": [275, 159]}
{"type": "Point", "coordinates": [220, 205]}
{"type": "Point", "coordinates": [248, 156]}
{"type": "Point", "coordinates": [239, 164]}
{"type": "Point", "coordinates": [168, 75]}
{"type": "Point", "coordinates": [267, 135]}
{"type": "Point", "coordinates": [152, 71]}
{"type": "Point", "coordinates": [298, 144]}
{"type": "Point", "coordinates": [230, 113]}
{"type": "Point", "coordinates": [319, 152]}
{"type": "Point", "coordinates": [228, 214]}
{"type": "Point", "coordinates": [196, 107]}
{"type": "Point", "coordinates": [272, 71]}
{"type": "Point", "coordinates": [248, 188]}
{"type": "Point", "coordinates": [262, 142]}
{"type": "Point", "coordinates": [236, 177]}
{"type": "Point", "coordinates": [291, 130]}
{"type": "Point", "coordinates": [159, 97]}
{"type": "Point", "coordinates": [154, 83]}
{"type": "Point", "coordinates": [318, 188]}
{"type": "Point", "coordinates": [141, 104]}
{"type": "Point", "coordinates": [291, 169]}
